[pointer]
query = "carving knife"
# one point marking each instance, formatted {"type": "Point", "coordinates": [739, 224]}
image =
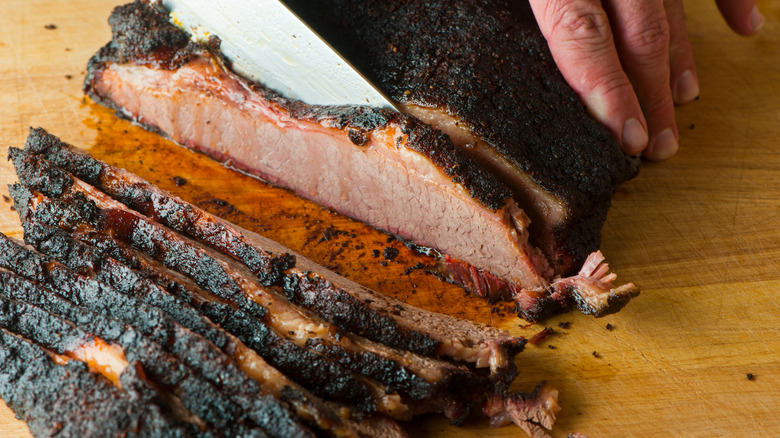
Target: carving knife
{"type": "Point", "coordinates": [268, 43]}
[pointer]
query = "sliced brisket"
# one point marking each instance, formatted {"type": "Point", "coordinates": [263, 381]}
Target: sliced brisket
{"type": "Point", "coordinates": [67, 400]}
{"type": "Point", "coordinates": [387, 169]}
{"type": "Point", "coordinates": [229, 328]}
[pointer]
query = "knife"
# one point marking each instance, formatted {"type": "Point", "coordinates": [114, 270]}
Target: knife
{"type": "Point", "coordinates": [268, 43]}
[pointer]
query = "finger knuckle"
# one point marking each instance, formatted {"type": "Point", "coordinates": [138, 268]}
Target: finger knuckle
{"type": "Point", "coordinates": [581, 22]}
{"type": "Point", "coordinates": [614, 87]}
{"type": "Point", "coordinates": [650, 38]}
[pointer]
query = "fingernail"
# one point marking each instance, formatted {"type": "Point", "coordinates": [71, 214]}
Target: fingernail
{"type": "Point", "coordinates": [756, 19]}
{"type": "Point", "coordinates": [687, 87]}
{"type": "Point", "coordinates": [664, 146]}
{"type": "Point", "coordinates": [634, 136]}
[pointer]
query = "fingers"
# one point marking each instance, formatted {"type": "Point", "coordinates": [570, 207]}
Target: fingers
{"type": "Point", "coordinates": [741, 15]}
{"type": "Point", "coordinates": [581, 41]}
{"type": "Point", "coordinates": [684, 80]}
{"type": "Point", "coordinates": [642, 36]}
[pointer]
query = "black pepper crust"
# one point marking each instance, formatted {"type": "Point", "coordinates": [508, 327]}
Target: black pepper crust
{"type": "Point", "coordinates": [143, 36]}
{"type": "Point", "coordinates": [486, 63]}
{"type": "Point", "coordinates": [192, 366]}
{"type": "Point", "coordinates": [52, 326]}
{"type": "Point", "coordinates": [321, 376]}
{"type": "Point", "coordinates": [329, 302]}
{"type": "Point", "coordinates": [67, 400]}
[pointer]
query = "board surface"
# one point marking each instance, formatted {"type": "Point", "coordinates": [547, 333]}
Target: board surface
{"type": "Point", "coordinates": [700, 235]}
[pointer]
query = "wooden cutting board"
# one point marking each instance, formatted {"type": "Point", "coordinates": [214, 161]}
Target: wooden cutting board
{"type": "Point", "coordinates": [700, 234]}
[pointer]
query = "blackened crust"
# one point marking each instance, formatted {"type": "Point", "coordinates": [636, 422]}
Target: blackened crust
{"type": "Point", "coordinates": [160, 44]}
{"type": "Point", "coordinates": [486, 63]}
{"type": "Point", "coordinates": [67, 400]}
{"type": "Point", "coordinates": [141, 34]}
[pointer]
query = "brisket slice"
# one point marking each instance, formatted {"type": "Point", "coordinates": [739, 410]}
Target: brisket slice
{"type": "Point", "coordinates": [67, 400]}
{"type": "Point", "coordinates": [54, 330]}
{"type": "Point", "coordinates": [232, 398]}
{"type": "Point", "coordinates": [424, 380]}
{"type": "Point", "coordinates": [119, 275]}
{"type": "Point", "coordinates": [387, 169]}
{"type": "Point", "coordinates": [332, 297]}
{"type": "Point", "coordinates": [45, 271]}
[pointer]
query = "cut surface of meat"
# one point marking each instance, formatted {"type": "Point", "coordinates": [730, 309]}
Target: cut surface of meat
{"type": "Point", "coordinates": [327, 294]}
{"type": "Point", "coordinates": [481, 71]}
{"type": "Point", "coordinates": [387, 169]}
{"type": "Point", "coordinates": [202, 311]}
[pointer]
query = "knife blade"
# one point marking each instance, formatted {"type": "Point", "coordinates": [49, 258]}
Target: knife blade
{"type": "Point", "coordinates": [268, 43]}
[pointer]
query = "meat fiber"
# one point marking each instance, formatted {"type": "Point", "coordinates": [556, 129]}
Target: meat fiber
{"type": "Point", "coordinates": [387, 169]}
{"type": "Point", "coordinates": [113, 282]}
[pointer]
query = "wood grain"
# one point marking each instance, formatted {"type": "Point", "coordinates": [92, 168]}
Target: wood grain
{"type": "Point", "coordinates": [699, 234]}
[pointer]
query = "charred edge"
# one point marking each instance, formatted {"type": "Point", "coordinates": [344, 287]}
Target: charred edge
{"type": "Point", "coordinates": [51, 317]}
{"type": "Point", "coordinates": [142, 48]}
{"type": "Point", "coordinates": [394, 376]}
{"type": "Point", "coordinates": [614, 303]}
{"type": "Point", "coordinates": [159, 206]}
{"type": "Point", "coordinates": [245, 327]}
{"type": "Point", "coordinates": [244, 403]}
{"type": "Point", "coordinates": [39, 174]}
{"type": "Point", "coordinates": [67, 400]}
{"type": "Point", "coordinates": [323, 377]}
{"type": "Point", "coordinates": [139, 30]}
{"type": "Point", "coordinates": [347, 312]}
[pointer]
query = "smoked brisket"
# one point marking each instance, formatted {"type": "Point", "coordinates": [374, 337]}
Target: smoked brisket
{"type": "Point", "coordinates": [231, 335]}
{"type": "Point", "coordinates": [392, 170]}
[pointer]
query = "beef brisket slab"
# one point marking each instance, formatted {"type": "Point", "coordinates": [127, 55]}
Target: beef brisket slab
{"type": "Point", "coordinates": [219, 327]}
{"type": "Point", "coordinates": [392, 170]}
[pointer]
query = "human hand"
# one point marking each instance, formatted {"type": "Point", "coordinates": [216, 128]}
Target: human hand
{"type": "Point", "coordinates": [630, 61]}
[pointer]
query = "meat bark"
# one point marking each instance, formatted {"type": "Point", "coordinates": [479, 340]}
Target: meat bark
{"type": "Point", "coordinates": [403, 176]}
{"type": "Point", "coordinates": [332, 297]}
{"type": "Point", "coordinates": [68, 400]}
{"type": "Point", "coordinates": [420, 380]}
{"type": "Point", "coordinates": [130, 270]}
{"type": "Point", "coordinates": [481, 71]}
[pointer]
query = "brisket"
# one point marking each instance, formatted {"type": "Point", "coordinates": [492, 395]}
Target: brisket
{"type": "Point", "coordinates": [208, 384]}
{"type": "Point", "coordinates": [387, 169]}
{"type": "Point", "coordinates": [418, 378]}
{"type": "Point", "coordinates": [332, 297]}
{"type": "Point", "coordinates": [222, 329]}
{"type": "Point", "coordinates": [67, 400]}
{"type": "Point", "coordinates": [481, 71]}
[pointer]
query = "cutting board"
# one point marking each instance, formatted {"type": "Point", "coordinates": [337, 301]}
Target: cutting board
{"type": "Point", "coordinates": [699, 234]}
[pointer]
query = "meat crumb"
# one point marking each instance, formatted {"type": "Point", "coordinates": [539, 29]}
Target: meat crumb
{"type": "Point", "coordinates": [597, 355]}
{"type": "Point", "coordinates": [751, 376]}
{"type": "Point", "coordinates": [390, 253]}
{"type": "Point", "coordinates": [51, 26]}
{"type": "Point", "coordinates": [6, 199]}
{"type": "Point", "coordinates": [610, 327]}
{"type": "Point", "coordinates": [539, 337]}
{"type": "Point", "coordinates": [564, 325]}
{"type": "Point", "coordinates": [178, 181]}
